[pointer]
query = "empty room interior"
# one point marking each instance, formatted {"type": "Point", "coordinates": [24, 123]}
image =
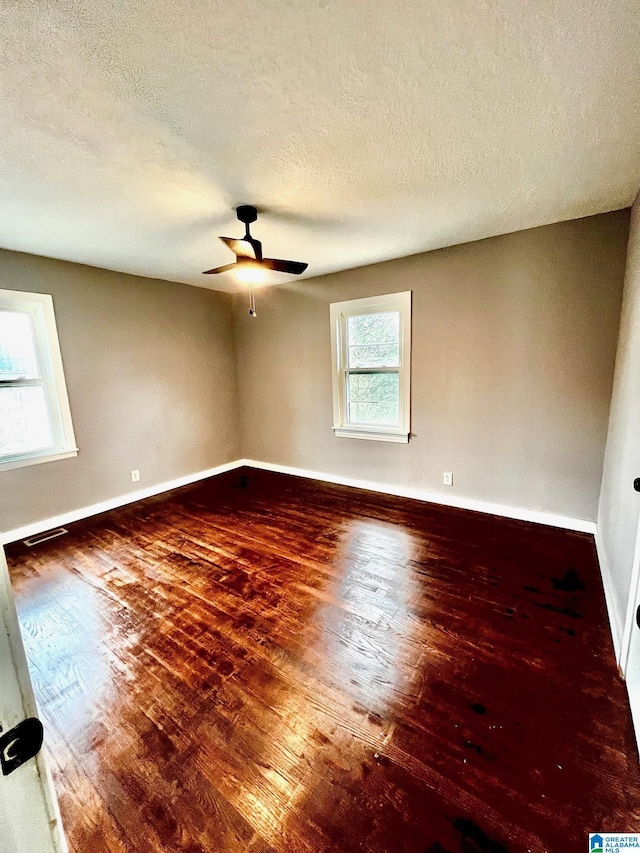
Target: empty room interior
{"type": "Point", "coordinates": [319, 427]}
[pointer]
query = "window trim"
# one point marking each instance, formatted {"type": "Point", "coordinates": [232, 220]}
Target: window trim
{"type": "Point", "coordinates": [339, 312]}
{"type": "Point", "coordinates": [40, 306]}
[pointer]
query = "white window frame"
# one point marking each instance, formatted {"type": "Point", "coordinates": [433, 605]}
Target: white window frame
{"type": "Point", "coordinates": [339, 312]}
{"type": "Point", "coordinates": [43, 322]}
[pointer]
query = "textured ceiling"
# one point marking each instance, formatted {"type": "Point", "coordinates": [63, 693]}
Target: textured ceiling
{"type": "Point", "coordinates": [366, 131]}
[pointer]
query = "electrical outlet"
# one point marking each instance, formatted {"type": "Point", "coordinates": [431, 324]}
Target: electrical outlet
{"type": "Point", "coordinates": [135, 476]}
{"type": "Point", "coordinates": [447, 478]}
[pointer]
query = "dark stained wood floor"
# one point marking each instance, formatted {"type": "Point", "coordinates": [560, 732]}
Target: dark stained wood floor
{"type": "Point", "coordinates": [302, 667]}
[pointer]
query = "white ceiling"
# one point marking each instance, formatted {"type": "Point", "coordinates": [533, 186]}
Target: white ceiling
{"type": "Point", "coordinates": [365, 130]}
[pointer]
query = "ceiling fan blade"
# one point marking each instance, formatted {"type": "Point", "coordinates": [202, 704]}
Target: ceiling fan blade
{"type": "Point", "coordinates": [240, 248]}
{"type": "Point", "coordinates": [220, 269]}
{"type": "Point", "coordinates": [292, 267]}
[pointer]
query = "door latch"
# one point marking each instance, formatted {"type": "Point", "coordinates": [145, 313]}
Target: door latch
{"type": "Point", "coordinates": [20, 744]}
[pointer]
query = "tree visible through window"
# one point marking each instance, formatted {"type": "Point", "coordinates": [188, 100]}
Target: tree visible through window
{"type": "Point", "coordinates": [373, 356]}
{"type": "Point", "coordinates": [371, 367]}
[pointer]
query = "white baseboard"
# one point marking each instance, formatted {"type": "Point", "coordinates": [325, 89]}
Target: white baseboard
{"type": "Point", "coordinates": [615, 623]}
{"type": "Point", "coordinates": [519, 513]}
{"type": "Point", "coordinates": [36, 527]}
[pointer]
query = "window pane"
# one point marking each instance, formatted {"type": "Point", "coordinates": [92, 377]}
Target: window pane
{"type": "Point", "coordinates": [373, 340]}
{"type": "Point", "coordinates": [373, 398]}
{"type": "Point", "coordinates": [17, 346]}
{"type": "Point", "coordinates": [24, 420]}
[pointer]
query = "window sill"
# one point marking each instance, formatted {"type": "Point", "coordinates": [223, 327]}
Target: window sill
{"type": "Point", "coordinates": [35, 460]}
{"type": "Point", "coordinates": [372, 435]}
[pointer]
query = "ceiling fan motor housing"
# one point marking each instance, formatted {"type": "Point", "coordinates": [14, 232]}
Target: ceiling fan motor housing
{"type": "Point", "coordinates": [246, 213]}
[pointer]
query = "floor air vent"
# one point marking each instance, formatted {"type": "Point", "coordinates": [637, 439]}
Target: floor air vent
{"type": "Point", "coordinates": [44, 537]}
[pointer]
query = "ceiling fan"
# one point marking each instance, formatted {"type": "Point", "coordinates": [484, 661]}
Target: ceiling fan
{"type": "Point", "coordinates": [249, 265]}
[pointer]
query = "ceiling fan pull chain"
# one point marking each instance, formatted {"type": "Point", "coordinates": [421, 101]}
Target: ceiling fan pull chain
{"type": "Point", "coordinates": [252, 302]}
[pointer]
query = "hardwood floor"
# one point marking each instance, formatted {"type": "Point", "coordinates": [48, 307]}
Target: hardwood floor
{"type": "Point", "coordinates": [262, 663]}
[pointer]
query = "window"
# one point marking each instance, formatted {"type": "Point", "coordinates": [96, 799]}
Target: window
{"type": "Point", "coordinates": [35, 420]}
{"type": "Point", "coordinates": [371, 352]}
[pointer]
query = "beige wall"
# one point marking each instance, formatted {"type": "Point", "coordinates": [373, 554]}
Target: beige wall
{"type": "Point", "coordinates": [151, 380]}
{"type": "Point", "coordinates": [619, 503]}
{"type": "Point", "coordinates": [514, 342]}
{"type": "Point", "coordinates": [513, 351]}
